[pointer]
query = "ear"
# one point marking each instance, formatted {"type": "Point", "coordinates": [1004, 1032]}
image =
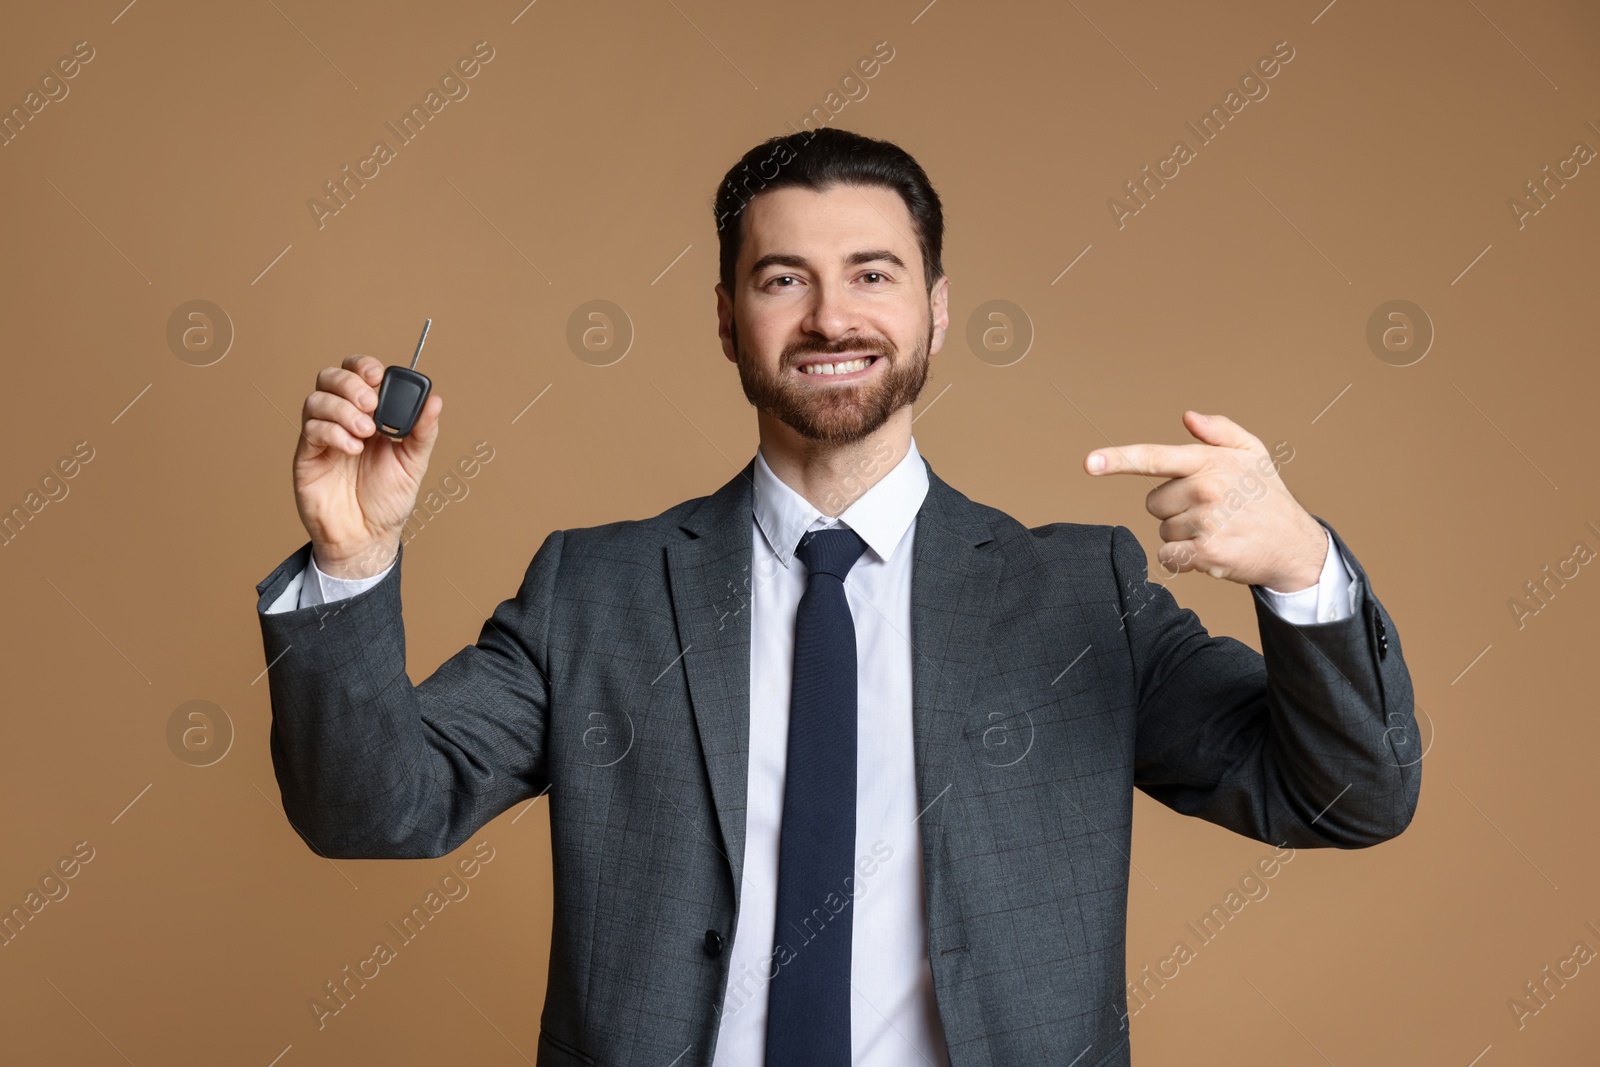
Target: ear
{"type": "Point", "coordinates": [725, 327]}
{"type": "Point", "coordinates": [939, 306]}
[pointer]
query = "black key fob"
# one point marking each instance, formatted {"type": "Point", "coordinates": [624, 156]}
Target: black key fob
{"type": "Point", "coordinates": [402, 394]}
{"type": "Point", "coordinates": [400, 400]}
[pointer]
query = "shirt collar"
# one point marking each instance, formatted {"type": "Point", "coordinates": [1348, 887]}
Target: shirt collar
{"type": "Point", "coordinates": [881, 515]}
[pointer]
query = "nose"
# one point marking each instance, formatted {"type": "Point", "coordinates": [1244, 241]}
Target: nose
{"type": "Point", "coordinates": [831, 313]}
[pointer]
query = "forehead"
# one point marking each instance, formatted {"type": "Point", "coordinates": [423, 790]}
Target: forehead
{"type": "Point", "coordinates": [827, 225]}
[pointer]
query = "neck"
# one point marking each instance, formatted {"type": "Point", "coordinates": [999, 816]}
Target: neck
{"type": "Point", "coordinates": [831, 477]}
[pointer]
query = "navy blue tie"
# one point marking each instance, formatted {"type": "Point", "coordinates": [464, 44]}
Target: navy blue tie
{"type": "Point", "coordinates": [808, 1001]}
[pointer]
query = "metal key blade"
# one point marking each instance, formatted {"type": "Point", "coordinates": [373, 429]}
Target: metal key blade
{"type": "Point", "coordinates": [425, 327]}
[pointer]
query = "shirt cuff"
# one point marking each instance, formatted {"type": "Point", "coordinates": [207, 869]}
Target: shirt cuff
{"type": "Point", "coordinates": [1332, 599]}
{"type": "Point", "coordinates": [289, 599]}
{"type": "Point", "coordinates": [318, 588]}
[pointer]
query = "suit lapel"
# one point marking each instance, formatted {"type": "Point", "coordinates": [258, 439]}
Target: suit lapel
{"type": "Point", "coordinates": [952, 600]}
{"type": "Point", "coordinates": [952, 597]}
{"type": "Point", "coordinates": [710, 580]}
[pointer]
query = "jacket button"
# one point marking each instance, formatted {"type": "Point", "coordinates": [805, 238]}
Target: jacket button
{"type": "Point", "coordinates": [1383, 635]}
{"type": "Point", "coordinates": [713, 944]}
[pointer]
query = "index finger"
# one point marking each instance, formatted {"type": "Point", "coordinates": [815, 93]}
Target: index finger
{"type": "Point", "coordinates": [1162, 461]}
{"type": "Point", "coordinates": [368, 367]}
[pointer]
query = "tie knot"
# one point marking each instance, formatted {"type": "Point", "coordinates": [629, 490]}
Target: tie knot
{"type": "Point", "coordinates": [830, 551]}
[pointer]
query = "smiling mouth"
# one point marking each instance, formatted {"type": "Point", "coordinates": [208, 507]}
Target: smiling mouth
{"type": "Point", "coordinates": [841, 370]}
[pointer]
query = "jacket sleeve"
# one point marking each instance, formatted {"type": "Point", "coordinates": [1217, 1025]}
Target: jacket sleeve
{"type": "Point", "coordinates": [373, 767]}
{"type": "Point", "coordinates": [1310, 743]}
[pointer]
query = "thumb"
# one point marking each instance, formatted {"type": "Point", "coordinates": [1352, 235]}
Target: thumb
{"type": "Point", "coordinates": [418, 444]}
{"type": "Point", "coordinates": [1219, 430]}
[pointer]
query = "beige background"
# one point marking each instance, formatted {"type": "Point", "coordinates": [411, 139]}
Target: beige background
{"type": "Point", "coordinates": [581, 167]}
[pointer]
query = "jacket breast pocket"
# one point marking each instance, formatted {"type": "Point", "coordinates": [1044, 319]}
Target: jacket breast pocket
{"type": "Point", "coordinates": [1016, 718]}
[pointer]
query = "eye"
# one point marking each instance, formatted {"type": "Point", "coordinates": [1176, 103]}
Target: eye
{"type": "Point", "coordinates": [780, 278]}
{"type": "Point", "coordinates": [877, 273]}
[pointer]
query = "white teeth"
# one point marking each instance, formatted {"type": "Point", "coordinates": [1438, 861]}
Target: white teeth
{"type": "Point", "coordinates": [836, 368]}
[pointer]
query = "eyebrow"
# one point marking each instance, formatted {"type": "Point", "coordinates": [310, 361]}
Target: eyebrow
{"type": "Point", "coordinates": [869, 255]}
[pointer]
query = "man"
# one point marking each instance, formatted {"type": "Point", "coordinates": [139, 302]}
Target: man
{"type": "Point", "coordinates": [839, 762]}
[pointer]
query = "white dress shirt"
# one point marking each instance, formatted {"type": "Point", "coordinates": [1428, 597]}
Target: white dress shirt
{"type": "Point", "coordinates": [894, 1019]}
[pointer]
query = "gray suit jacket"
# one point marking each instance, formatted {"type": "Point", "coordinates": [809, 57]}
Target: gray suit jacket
{"type": "Point", "coordinates": [618, 678]}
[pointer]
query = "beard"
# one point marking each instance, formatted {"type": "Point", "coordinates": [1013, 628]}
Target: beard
{"type": "Point", "coordinates": [836, 414]}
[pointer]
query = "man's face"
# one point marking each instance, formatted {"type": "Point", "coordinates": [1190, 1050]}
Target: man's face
{"type": "Point", "coordinates": [821, 278]}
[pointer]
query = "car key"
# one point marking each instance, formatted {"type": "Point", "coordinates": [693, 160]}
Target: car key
{"type": "Point", "coordinates": [402, 394]}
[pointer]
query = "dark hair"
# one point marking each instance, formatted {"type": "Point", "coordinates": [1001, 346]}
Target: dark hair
{"type": "Point", "coordinates": [817, 160]}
